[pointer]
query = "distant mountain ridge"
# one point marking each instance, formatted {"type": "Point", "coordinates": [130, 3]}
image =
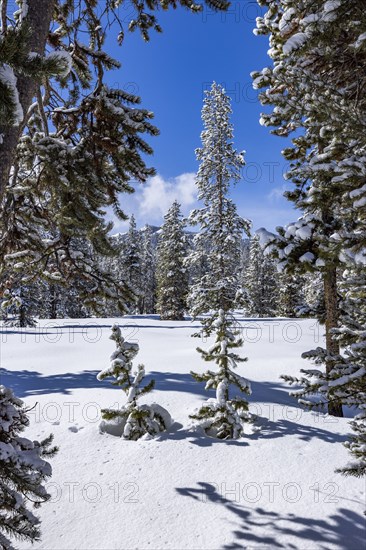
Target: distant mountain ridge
{"type": "Point", "coordinates": [156, 230]}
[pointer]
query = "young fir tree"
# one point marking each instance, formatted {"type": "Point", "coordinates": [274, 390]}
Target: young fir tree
{"type": "Point", "coordinates": [261, 282]}
{"type": "Point", "coordinates": [224, 416]}
{"type": "Point", "coordinates": [317, 50]}
{"type": "Point", "coordinates": [24, 471]}
{"type": "Point", "coordinates": [216, 292]}
{"type": "Point", "coordinates": [172, 275]}
{"type": "Point", "coordinates": [138, 420]}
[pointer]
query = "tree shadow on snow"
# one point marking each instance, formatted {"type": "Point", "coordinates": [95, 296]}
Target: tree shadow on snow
{"type": "Point", "coordinates": [25, 383]}
{"type": "Point", "coordinates": [178, 382]}
{"type": "Point", "coordinates": [197, 437]}
{"type": "Point", "coordinates": [282, 427]}
{"type": "Point", "coordinates": [345, 529]}
{"type": "Point", "coordinates": [272, 392]}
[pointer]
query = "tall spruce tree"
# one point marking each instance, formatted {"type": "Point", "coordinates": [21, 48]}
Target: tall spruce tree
{"type": "Point", "coordinates": [217, 292]}
{"type": "Point", "coordinates": [24, 471]}
{"type": "Point", "coordinates": [172, 274]}
{"type": "Point", "coordinates": [220, 227]}
{"type": "Point", "coordinates": [317, 86]}
{"type": "Point", "coordinates": [317, 49]}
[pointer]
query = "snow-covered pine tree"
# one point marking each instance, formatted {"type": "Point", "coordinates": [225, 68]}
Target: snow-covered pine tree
{"type": "Point", "coordinates": [224, 416]}
{"type": "Point", "coordinates": [132, 261]}
{"type": "Point", "coordinates": [148, 268]}
{"type": "Point", "coordinates": [49, 305]}
{"type": "Point", "coordinates": [220, 227]}
{"type": "Point", "coordinates": [136, 420]}
{"type": "Point", "coordinates": [216, 293]}
{"type": "Point", "coordinates": [291, 298]}
{"type": "Point", "coordinates": [317, 50]}
{"type": "Point", "coordinates": [350, 386]}
{"type": "Point", "coordinates": [24, 471]}
{"type": "Point", "coordinates": [261, 282]}
{"type": "Point", "coordinates": [346, 383]}
{"type": "Point", "coordinates": [298, 248]}
{"type": "Point", "coordinates": [172, 275]}
{"type": "Point", "coordinates": [19, 305]}
{"type": "Point", "coordinates": [313, 305]}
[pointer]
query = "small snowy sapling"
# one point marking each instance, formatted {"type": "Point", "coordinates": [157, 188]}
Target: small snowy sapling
{"type": "Point", "coordinates": [223, 417]}
{"type": "Point", "coordinates": [136, 420]}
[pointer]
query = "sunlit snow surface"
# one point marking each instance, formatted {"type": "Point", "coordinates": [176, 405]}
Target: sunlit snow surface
{"type": "Point", "coordinates": [274, 488]}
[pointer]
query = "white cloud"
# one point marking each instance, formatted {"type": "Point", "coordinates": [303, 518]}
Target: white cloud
{"type": "Point", "coordinates": [276, 193]}
{"type": "Point", "coordinates": [158, 194]}
{"type": "Point", "coordinates": [151, 201]}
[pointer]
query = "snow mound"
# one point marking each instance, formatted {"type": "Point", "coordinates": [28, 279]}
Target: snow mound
{"type": "Point", "coordinates": [159, 416]}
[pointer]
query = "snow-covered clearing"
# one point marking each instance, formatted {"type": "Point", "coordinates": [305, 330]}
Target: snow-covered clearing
{"type": "Point", "coordinates": [271, 489]}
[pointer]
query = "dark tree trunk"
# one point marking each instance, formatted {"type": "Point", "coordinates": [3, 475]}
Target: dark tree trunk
{"type": "Point", "coordinates": [38, 18]}
{"type": "Point", "coordinates": [331, 321]}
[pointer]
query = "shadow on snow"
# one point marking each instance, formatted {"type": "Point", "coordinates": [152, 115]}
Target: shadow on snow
{"type": "Point", "coordinates": [30, 383]}
{"type": "Point", "coordinates": [26, 383]}
{"type": "Point", "coordinates": [344, 528]}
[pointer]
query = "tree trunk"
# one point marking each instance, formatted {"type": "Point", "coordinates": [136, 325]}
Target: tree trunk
{"type": "Point", "coordinates": [331, 321]}
{"type": "Point", "coordinates": [38, 18]}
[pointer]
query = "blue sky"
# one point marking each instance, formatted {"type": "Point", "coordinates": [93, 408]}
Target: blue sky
{"type": "Point", "coordinates": [170, 74]}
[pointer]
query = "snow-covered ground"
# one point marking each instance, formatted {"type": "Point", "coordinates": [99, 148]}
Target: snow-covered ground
{"type": "Point", "coordinates": [274, 488]}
